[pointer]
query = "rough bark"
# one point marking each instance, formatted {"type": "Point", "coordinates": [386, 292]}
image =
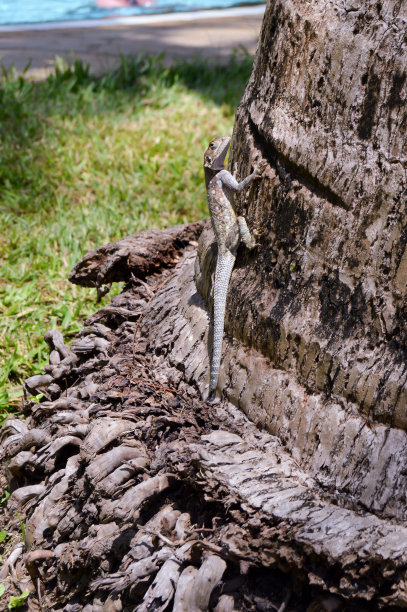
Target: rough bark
{"type": "Point", "coordinates": [323, 303]}
{"type": "Point", "coordinates": [145, 493]}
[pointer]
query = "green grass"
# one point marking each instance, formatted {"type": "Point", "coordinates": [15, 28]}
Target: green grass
{"type": "Point", "coordinates": [88, 159]}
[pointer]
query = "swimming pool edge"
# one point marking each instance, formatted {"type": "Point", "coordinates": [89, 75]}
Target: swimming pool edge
{"type": "Point", "coordinates": [136, 20]}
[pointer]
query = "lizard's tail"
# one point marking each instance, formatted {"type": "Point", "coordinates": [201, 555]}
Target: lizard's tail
{"type": "Point", "coordinates": [224, 267]}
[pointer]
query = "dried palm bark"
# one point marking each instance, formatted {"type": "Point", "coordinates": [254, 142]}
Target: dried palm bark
{"type": "Point", "coordinates": [289, 493]}
{"type": "Point", "coordinates": [121, 516]}
{"type": "Point", "coordinates": [147, 498]}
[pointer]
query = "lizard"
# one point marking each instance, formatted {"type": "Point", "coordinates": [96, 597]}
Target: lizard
{"type": "Point", "coordinates": [229, 231]}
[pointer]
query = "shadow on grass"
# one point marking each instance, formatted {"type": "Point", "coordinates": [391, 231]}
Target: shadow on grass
{"type": "Point", "coordinates": [26, 107]}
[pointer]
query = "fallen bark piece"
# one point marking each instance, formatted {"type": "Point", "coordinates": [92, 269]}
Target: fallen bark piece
{"type": "Point", "coordinates": [55, 341]}
{"type": "Point", "coordinates": [115, 311]}
{"type": "Point", "coordinates": [39, 410]}
{"type": "Point", "coordinates": [78, 421]}
{"type": "Point", "coordinates": [139, 254]}
{"type": "Point", "coordinates": [97, 329]}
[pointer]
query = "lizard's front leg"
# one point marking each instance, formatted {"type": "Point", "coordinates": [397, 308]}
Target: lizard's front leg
{"type": "Point", "coordinates": [246, 237]}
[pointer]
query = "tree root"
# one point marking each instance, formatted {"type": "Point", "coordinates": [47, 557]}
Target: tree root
{"type": "Point", "coordinates": [141, 496]}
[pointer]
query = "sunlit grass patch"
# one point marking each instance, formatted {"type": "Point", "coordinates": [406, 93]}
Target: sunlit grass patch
{"type": "Point", "coordinates": [87, 160]}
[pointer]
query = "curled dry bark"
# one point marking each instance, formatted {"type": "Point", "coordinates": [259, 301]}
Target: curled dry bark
{"type": "Point", "coordinates": [139, 254]}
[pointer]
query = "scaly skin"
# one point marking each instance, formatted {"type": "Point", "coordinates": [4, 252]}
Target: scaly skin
{"type": "Point", "coordinates": [229, 230]}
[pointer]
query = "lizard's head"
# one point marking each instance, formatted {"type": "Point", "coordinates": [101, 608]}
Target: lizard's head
{"type": "Point", "coordinates": [215, 154]}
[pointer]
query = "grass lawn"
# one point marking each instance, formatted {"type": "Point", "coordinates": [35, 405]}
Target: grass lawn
{"type": "Point", "coordinates": [86, 160]}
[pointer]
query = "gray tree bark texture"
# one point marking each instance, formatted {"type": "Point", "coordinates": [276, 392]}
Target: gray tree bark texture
{"type": "Point", "coordinates": [290, 492]}
{"type": "Point", "coordinates": [323, 304]}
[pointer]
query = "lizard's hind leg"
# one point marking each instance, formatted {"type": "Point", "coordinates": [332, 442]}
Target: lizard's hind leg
{"type": "Point", "coordinates": [246, 237]}
{"type": "Point", "coordinates": [233, 238]}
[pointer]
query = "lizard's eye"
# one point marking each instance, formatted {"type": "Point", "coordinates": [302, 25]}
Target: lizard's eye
{"type": "Point", "coordinates": [212, 145]}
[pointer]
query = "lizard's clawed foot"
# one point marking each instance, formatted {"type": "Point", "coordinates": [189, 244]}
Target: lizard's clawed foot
{"type": "Point", "coordinates": [254, 245]}
{"type": "Point", "coordinates": [260, 168]}
{"type": "Point", "coordinates": [256, 235]}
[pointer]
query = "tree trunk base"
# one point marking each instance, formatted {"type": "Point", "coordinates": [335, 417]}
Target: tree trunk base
{"type": "Point", "coordinates": [147, 497]}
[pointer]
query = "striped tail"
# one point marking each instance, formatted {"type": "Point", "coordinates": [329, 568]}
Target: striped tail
{"type": "Point", "coordinates": [224, 267]}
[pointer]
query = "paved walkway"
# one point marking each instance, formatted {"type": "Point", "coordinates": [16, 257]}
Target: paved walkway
{"type": "Point", "coordinates": [210, 36]}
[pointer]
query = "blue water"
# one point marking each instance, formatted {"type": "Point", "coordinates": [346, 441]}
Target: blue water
{"type": "Point", "coordinates": [32, 11]}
